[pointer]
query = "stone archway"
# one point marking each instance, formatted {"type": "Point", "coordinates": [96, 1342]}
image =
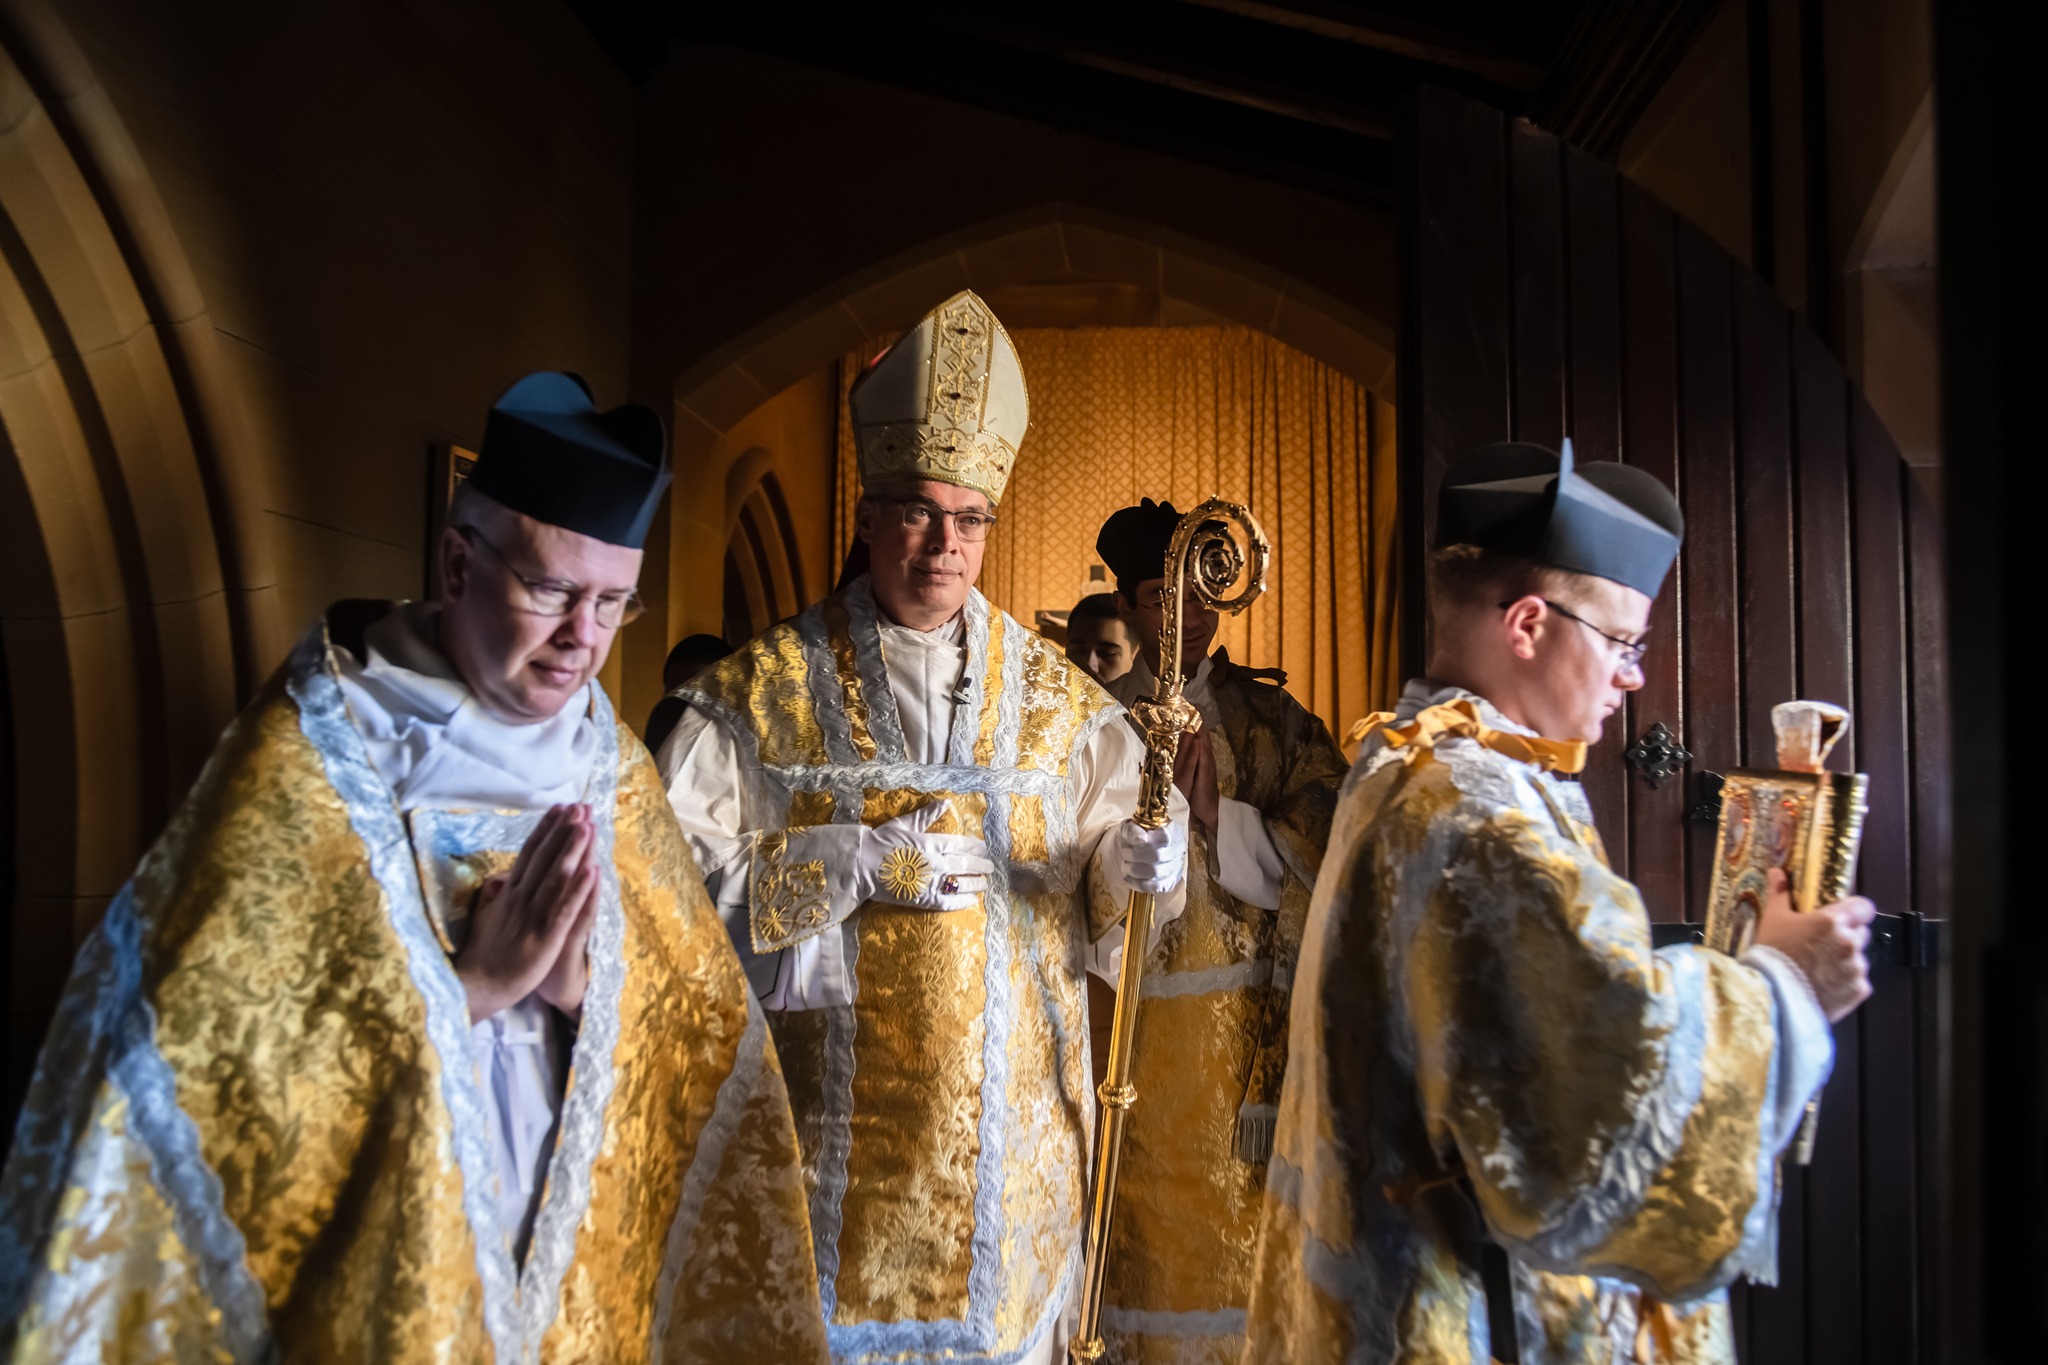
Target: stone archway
{"type": "Point", "coordinates": [761, 566]}
{"type": "Point", "coordinates": [1053, 242]}
{"type": "Point", "coordinates": [135, 585]}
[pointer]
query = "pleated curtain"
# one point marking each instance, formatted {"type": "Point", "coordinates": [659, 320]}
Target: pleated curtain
{"type": "Point", "coordinates": [1188, 413]}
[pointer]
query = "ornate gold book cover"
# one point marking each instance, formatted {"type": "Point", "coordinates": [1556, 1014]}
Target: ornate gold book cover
{"type": "Point", "coordinates": [1797, 816]}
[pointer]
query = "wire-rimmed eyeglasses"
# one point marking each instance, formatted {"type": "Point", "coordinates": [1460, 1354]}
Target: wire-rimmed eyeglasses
{"type": "Point", "coordinates": [552, 597]}
{"type": "Point", "coordinates": [1632, 651]}
{"type": "Point", "coordinates": [918, 514]}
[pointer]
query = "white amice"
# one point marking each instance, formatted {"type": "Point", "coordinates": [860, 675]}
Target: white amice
{"type": "Point", "coordinates": [437, 748]}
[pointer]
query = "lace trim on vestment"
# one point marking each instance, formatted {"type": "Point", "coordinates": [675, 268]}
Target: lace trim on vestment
{"type": "Point", "coordinates": [591, 1062]}
{"type": "Point", "coordinates": [1232, 976]}
{"type": "Point", "coordinates": [519, 1305]}
{"type": "Point", "coordinates": [984, 1280]}
{"type": "Point", "coordinates": [821, 673]}
{"type": "Point", "coordinates": [56, 1108]}
{"type": "Point", "coordinates": [735, 1093]}
{"type": "Point", "coordinates": [372, 813]}
{"type": "Point", "coordinates": [105, 1014]}
{"type": "Point", "coordinates": [966, 728]}
{"type": "Point", "coordinates": [863, 623]}
{"type": "Point", "coordinates": [189, 1185]}
{"type": "Point", "coordinates": [974, 1337]}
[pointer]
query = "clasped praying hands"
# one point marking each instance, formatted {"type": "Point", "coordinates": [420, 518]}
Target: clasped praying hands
{"type": "Point", "coordinates": [529, 931]}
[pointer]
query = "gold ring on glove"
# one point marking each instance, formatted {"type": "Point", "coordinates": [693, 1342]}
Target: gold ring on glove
{"type": "Point", "coordinates": [949, 885]}
{"type": "Point", "coordinates": [905, 873]}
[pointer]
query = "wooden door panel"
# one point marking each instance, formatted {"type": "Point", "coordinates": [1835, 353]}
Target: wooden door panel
{"type": "Point", "coordinates": [1549, 296]}
{"type": "Point", "coordinates": [1470, 350]}
{"type": "Point", "coordinates": [1592, 232]}
{"type": "Point", "coordinates": [1708, 576]}
{"type": "Point", "coordinates": [1649, 388]}
{"type": "Point", "coordinates": [1536, 239]}
{"type": "Point", "coordinates": [1833, 1189]}
{"type": "Point", "coordinates": [1764, 511]}
{"type": "Point", "coordinates": [1926, 629]}
{"type": "Point", "coordinates": [1883, 720]}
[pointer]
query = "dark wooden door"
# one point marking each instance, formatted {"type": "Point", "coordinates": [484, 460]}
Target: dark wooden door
{"type": "Point", "coordinates": [1548, 296]}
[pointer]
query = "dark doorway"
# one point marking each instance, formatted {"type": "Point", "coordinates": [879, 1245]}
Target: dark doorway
{"type": "Point", "coordinates": [1548, 296]}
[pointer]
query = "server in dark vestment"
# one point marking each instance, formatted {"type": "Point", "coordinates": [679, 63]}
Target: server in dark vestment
{"type": "Point", "coordinates": [1485, 1050]}
{"type": "Point", "coordinates": [1260, 777]}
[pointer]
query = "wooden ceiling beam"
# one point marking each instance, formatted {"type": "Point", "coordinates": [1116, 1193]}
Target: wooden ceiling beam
{"type": "Point", "coordinates": [1093, 98]}
{"type": "Point", "coordinates": [1438, 47]}
{"type": "Point", "coordinates": [1374, 124]}
{"type": "Point", "coordinates": [1616, 58]}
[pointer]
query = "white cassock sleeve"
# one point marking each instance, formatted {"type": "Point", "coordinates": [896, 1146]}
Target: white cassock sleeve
{"type": "Point", "coordinates": [1107, 777]}
{"type": "Point", "coordinates": [1247, 864]}
{"type": "Point", "coordinates": [700, 763]}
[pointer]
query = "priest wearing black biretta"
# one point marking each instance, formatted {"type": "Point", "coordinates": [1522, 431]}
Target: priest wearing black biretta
{"type": "Point", "coordinates": [1508, 1122]}
{"type": "Point", "coordinates": [415, 1036]}
{"type": "Point", "coordinates": [1260, 777]}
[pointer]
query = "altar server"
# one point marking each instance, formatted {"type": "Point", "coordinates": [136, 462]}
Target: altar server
{"type": "Point", "coordinates": [1260, 777]}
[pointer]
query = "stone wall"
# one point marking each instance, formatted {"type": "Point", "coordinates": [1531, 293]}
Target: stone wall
{"type": "Point", "coordinates": [255, 261]}
{"type": "Point", "coordinates": [392, 210]}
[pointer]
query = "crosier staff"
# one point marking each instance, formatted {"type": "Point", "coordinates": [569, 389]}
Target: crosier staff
{"type": "Point", "coordinates": [1203, 553]}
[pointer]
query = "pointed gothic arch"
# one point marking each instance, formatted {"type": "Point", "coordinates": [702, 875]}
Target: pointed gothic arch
{"type": "Point", "coordinates": [136, 593]}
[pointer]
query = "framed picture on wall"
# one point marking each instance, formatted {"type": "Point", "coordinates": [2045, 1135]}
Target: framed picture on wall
{"type": "Point", "coordinates": [447, 467]}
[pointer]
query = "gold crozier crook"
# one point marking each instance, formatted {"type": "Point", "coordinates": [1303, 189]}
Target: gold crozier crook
{"type": "Point", "coordinates": [1207, 556]}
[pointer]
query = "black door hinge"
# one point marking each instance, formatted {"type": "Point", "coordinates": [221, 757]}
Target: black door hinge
{"type": "Point", "coordinates": [1907, 940]}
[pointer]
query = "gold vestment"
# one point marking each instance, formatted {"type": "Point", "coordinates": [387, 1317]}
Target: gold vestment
{"type": "Point", "coordinates": [1484, 1045]}
{"type": "Point", "coordinates": [945, 1113]}
{"type": "Point", "coordinates": [255, 1129]}
{"type": "Point", "coordinates": [1211, 1045]}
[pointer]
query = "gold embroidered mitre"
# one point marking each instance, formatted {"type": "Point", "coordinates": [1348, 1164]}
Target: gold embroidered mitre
{"type": "Point", "coordinates": [947, 402]}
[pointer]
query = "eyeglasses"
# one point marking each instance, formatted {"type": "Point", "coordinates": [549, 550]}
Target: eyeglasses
{"type": "Point", "coordinates": [919, 513]}
{"type": "Point", "coordinates": [551, 597]}
{"type": "Point", "coordinates": [1632, 651]}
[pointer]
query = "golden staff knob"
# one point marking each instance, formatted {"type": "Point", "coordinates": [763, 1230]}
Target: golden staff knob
{"type": "Point", "coordinates": [1214, 546]}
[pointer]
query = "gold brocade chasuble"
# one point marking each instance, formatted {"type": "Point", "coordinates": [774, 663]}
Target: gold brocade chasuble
{"type": "Point", "coordinates": [1480, 1027]}
{"type": "Point", "coordinates": [256, 1132]}
{"type": "Point", "coordinates": [945, 1114]}
{"type": "Point", "coordinates": [1211, 1044]}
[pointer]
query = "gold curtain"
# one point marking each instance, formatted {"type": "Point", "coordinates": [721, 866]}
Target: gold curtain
{"type": "Point", "coordinates": [1188, 413]}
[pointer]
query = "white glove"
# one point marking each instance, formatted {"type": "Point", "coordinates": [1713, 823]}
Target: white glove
{"type": "Point", "coordinates": [902, 863]}
{"type": "Point", "coordinates": [1152, 860]}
